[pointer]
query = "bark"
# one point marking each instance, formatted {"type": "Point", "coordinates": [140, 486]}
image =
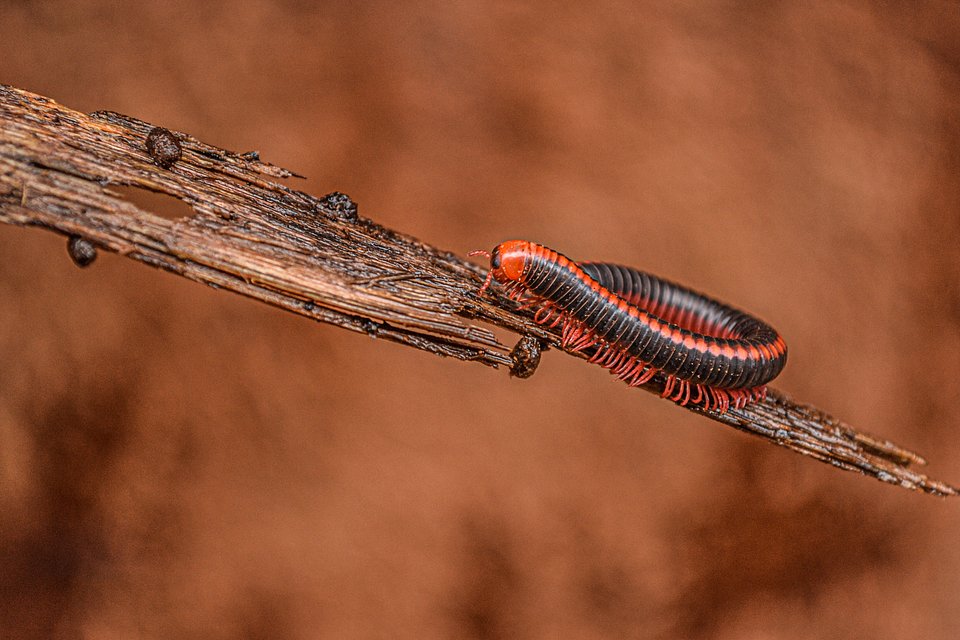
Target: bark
{"type": "Point", "coordinates": [314, 256]}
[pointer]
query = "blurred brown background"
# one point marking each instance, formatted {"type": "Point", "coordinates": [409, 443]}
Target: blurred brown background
{"type": "Point", "coordinates": [181, 463]}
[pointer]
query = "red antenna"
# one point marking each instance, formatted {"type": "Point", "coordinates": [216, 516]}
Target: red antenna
{"type": "Point", "coordinates": [486, 283]}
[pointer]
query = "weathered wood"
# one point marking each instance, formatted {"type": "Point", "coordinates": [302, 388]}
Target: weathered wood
{"type": "Point", "coordinates": [313, 256]}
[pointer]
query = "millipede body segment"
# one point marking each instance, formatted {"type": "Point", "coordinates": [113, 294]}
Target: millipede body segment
{"type": "Point", "coordinates": [638, 325]}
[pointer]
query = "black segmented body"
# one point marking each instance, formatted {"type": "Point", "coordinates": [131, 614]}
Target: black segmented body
{"type": "Point", "coordinates": [642, 325]}
{"type": "Point", "coordinates": [714, 321]}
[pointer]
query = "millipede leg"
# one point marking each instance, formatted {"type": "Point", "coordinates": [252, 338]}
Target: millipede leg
{"type": "Point", "coordinates": [696, 401]}
{"type": "Point", "coordinates": [668, 387]}
{"type": "Point", "coordinates": [645, 377]}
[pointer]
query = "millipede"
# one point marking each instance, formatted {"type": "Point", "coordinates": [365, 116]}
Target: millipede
{"type": "Point", "coordinates": [710, 355]}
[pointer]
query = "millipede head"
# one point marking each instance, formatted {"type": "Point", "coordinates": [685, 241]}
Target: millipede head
{"type": "Point", "coordinates": [507, 262]}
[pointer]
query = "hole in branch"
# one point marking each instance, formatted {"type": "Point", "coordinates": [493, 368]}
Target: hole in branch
{"type": "Point", "coordinates": [160, 204]}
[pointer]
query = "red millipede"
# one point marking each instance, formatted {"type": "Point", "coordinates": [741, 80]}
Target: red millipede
{"type": "Point", "coordinates": [711, 355]}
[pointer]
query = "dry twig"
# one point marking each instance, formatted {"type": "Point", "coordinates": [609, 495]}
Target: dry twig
{"type": "Point", "coordinates": [313, 256]}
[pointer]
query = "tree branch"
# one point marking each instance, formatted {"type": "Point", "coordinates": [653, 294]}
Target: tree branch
{"type": "Point", "coordinates": [314, 256]}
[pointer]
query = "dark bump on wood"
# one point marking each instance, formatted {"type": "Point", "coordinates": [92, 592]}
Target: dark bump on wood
{"type": "Point", "coordinates": [163, 147]}
{"type": "Point", "coordinates": [340, 205]}
{"type": "Point", "coordinates": [525, 356]}
{"type": "Point", "coordinates": [82, 251]}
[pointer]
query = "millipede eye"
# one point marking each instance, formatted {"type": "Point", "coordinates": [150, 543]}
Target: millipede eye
{"type": "Point", "coordinates": [495, 259]}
